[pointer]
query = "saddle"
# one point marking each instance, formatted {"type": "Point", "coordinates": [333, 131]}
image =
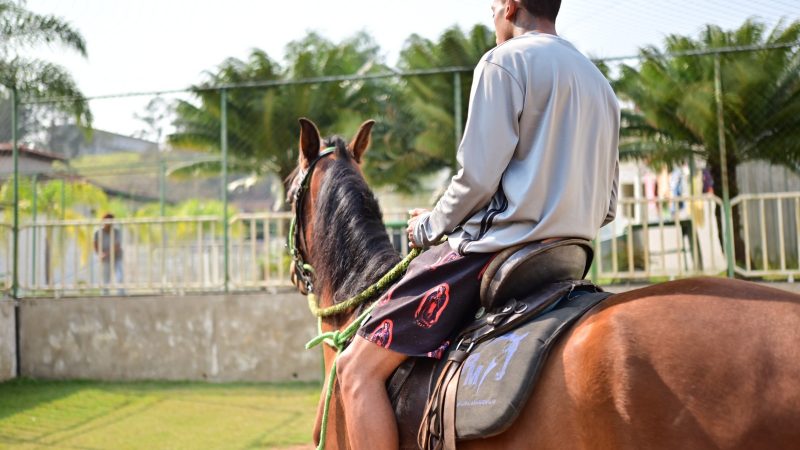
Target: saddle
{"type": "Point", "coordinates": [530, 294]}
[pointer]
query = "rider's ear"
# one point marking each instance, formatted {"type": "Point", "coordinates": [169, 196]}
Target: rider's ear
{"type": "Point", "coordinates": [309, 141]}
{"type": "Point", "coordinates": [360, 143]}
{"type": "Point", "coordinates": [511, 10]}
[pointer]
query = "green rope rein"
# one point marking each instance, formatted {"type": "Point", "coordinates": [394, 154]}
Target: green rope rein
{"type": "Point", "coordinates": [338, 339]}
{"type": "Point", "coordinates": [367, 294]}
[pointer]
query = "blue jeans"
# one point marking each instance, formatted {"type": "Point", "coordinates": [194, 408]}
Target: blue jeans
{"type": "Point", "coordinates": [117, 275]}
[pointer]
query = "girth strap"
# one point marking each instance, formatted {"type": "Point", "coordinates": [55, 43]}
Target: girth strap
{"type": "Point", "coordinates": [434, 433]}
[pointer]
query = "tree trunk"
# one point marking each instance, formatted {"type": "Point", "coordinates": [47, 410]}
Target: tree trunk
{"type": "Point", "coordinates": [716, 173]}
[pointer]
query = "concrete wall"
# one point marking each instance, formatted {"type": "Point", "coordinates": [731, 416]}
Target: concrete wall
{"type": "Point", "coordinates": [8, 351]}
{"type": "Point", "coordinates": [247, 337]}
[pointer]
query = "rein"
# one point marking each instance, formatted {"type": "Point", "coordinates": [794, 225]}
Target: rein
{"type": "Point", "coordinates": [391, 276]}
{"type": "Point", "coordinates": [338, 339]}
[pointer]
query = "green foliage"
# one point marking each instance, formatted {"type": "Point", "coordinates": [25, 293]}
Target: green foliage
{"type": "Point", "coordinates": [21, 30]}
{"type": "Point", "coordinates": [153, 234]}
{"type": "Point", "coordinates": [77, 196]}
{"type": "Point", "coordinates": [420, 138]}
{"type": "Point", "coordinates": [675, 115]}
{"type": "Point", "coordinates": [413, 115]}
{"type": "Point", "coordinates": [87, 163]}
{"type": "Point", "coordinates": [262, 123]}
{"type": "Point", "coordinates": [53, 200]}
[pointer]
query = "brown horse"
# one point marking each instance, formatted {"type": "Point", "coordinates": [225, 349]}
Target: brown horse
{"type": "Point", "coordinates": [692, 364]}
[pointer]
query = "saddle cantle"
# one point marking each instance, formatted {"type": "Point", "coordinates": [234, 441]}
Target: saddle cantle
{"type": "Point", "coordinates": [530, 295]}
{"type": "Point", "coordinates": [518, 271]}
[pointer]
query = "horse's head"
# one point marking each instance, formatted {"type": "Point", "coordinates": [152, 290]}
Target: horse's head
{"type": "Point", "coordinates": [317, 158]}
{"type": "Point", "coordinates": [338, 240]}
{"type": "Point", "coordinates": [335, 215]}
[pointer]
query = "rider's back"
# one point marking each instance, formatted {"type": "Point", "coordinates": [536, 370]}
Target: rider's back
{"type": "Point", "coordinates": [557, 179]}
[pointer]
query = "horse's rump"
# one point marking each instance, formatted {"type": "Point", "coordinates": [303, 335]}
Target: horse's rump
{"type": "Point", "coordinates": [699, 363]}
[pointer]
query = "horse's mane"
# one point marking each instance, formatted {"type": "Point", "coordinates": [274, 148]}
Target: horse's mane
{"type": "Point", "coordinates": [349, 235]}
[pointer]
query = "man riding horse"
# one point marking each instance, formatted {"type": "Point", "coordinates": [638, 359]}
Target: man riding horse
{"type": "Point", "coordinates": [539, 162]}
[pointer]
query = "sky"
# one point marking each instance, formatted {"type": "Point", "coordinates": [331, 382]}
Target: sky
{"type": "Point", "coordinates": [157, 45]}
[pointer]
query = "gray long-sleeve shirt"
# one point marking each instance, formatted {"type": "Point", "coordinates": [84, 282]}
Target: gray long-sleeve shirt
{"type": "Point", "coordinates": [539, 156]}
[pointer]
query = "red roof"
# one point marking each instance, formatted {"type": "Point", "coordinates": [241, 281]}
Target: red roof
{"type": "Point", "coordinates": [5, 148]}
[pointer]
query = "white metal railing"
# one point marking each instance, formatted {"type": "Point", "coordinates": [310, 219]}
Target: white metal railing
{"type": "Point", "coordinates": [153, 255]}
{"type": "Point", "coordinates": [258, 256]}
{"type": "Point", "coordinates": [649, 240]}
{"type": "Point", "coordinates": [770, 226]}
{"type": "Point", "coordinates": [654, 238]}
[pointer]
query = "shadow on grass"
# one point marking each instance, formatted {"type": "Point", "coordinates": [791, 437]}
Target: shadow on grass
{"type": "Point", "coordinates": [22, 394]}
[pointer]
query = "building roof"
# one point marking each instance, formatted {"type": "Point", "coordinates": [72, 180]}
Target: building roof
{"type": "Point", "coordinates": [5, 149]}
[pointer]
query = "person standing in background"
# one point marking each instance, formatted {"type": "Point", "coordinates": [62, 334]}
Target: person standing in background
{"type": "Point", "coordinates": [108, 247]}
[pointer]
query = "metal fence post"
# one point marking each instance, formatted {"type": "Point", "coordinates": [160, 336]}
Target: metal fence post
{"type": "Point", "coordinates": [726, 195]}
{"type": "Point", "coordinates": [15, 231]}
{"type": "Point", "coordinates": [33, 228]}
{"type": "Point", "coordinates": [162, 181]}
{"type": "Point", "coordinates": [224, 149]}
{"type": "Point", "coordinates": [63, 197]}
{"type": "Point", "coordinates": [457, 119]}
{"type": "Point", "coordinates": [162, 188]}
{"type": "Point", "coordinates": [15, 236]}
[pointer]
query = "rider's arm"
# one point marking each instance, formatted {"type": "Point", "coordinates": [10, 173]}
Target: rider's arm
{"type": "Point", "coordinates": [490, 139]}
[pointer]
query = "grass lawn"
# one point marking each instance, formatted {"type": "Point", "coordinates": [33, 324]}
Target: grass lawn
{"type": "Point", "coordinates": [91, 415]}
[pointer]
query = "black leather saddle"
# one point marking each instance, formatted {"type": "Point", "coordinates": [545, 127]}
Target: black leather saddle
{"type": "Point", "coordinates": [523, 285]}
{"type": "Point", "coordinates": [524, 269]}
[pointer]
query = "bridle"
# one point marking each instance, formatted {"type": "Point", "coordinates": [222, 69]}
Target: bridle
{"type": "Point", "coordinates": [302, 272]}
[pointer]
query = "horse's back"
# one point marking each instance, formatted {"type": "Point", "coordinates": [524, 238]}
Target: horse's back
{"type": "Point", "coordinates": [699, 363]}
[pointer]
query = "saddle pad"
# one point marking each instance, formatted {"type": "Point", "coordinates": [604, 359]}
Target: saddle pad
{"type": "Point", "coordinates": [498, 376]}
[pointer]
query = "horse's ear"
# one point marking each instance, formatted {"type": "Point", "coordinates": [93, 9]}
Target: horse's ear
{"type": "Point", "coordinates": [360, 143]}
{"type": "Point", "coordinates": [309, 141]}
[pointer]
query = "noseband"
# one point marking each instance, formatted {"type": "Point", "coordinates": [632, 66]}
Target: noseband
{"type": "Point", "coordinates": [302, 272]}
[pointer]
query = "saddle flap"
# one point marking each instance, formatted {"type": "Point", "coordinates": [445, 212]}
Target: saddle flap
{"type": "Point", "coordinates": [499, 375]}
{"type": "Point", "coordinates": [497, 360]}
{"type": "Point", "coordinates": [520, 270]}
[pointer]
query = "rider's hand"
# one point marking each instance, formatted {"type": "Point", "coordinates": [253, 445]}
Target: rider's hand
{"type": "Point", "coordinates": [415, 215]}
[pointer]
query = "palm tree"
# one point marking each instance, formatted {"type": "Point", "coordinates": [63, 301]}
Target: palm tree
{"type": "Point", "coordinates": [422, 140]}
{"type": "Point", "coordinates": [262, 122]}
{"type": "Point", "coordinates": [199, 125]}
{"type": "Point", "coordinates": [21, 30]}
{"type": "Point", "coordinates": [675, 118]}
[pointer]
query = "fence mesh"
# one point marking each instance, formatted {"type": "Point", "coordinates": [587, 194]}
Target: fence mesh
{"type": "Point", "coordinates": [161, 155]}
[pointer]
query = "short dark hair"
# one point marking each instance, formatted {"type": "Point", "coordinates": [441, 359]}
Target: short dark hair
{"type": "Point", "coordinates": [547, 9]}
{"type": "Point", "coordinates": [108, 216]}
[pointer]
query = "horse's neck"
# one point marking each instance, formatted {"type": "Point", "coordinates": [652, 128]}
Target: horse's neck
{"type": "Point", "coordinates": [358, 262]}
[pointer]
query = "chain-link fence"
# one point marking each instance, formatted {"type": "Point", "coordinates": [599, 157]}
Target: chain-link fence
{"type": "Point", "coordinates": [700, 130]}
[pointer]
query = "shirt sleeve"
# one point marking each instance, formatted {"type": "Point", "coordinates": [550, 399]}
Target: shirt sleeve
{"type": "Point", "coordinates": [490, 139]}
{"type": "Point", "coordinates": [612, 207]}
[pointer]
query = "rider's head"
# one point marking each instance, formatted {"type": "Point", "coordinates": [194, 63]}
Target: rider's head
{"type": "Point", "coordinates": [512, 16]}
{"type": "Point", "coordinates": [542, 9]}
